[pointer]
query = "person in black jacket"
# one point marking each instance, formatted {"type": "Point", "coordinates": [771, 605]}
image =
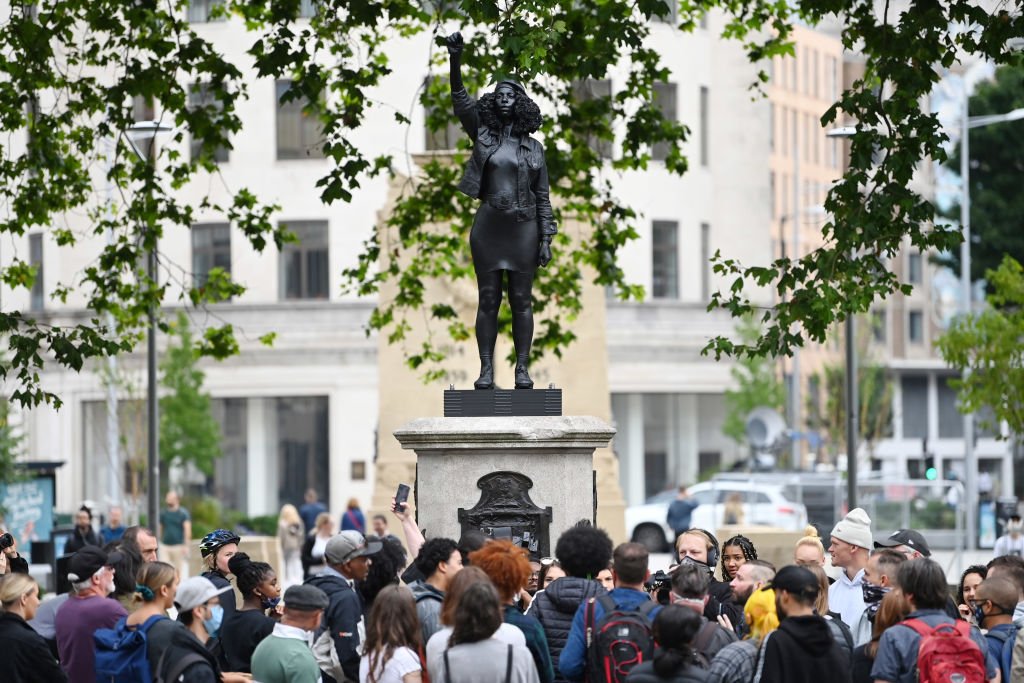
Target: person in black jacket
{"type": "Point", "coordinates": [27, 657]}
{"type": "Point", "coordinates": [348, 560]}
{"type": "Point", "coordinates": [83, 534]}
{"type": "Point", "coordinates": [802, 649]}
{"type": "Point", "coordinates": [250, 622]}
{"type": "Point", "coordinates": [673, 630]}
{"type": "Point", "coordinates": [583, 552]}
{"type": "Point", "coordinates": [217, 548]}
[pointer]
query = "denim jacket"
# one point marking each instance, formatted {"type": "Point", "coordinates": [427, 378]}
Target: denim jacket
{"type": "Point", "coordinates": [532, 199]}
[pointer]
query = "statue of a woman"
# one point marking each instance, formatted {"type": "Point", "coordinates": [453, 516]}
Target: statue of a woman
{"type": "Point", "coordinates": [513, 228]}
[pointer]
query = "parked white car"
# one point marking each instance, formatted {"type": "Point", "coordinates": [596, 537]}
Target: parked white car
{"type": "Point", "coordinates": [763, 505]}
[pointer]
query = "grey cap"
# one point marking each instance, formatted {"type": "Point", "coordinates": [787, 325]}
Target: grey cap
{"type": "Point", "coordinates": [305, 598]}
{"type": "Point", "coordinates": [196, 591]}
{"type": "Point", "coordinates": [348, 545]}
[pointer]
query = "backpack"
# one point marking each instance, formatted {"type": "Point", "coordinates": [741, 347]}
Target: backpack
{"type": "Point", "coordinates": [619, 641]}
{"type": "Point", "coordinates": [1007, 638]}
{"type": "Point", "coordinates": [947, 653]}
{"type": "Point", "coordinates": [181, 653]}
{"type": "Point", "coordinates": [121, 655]}
{"type": "Point", "coordinates": [700, 645]}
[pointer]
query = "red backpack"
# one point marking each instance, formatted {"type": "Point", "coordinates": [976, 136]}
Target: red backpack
{"type": "Point", "coordinates": [947, 653]}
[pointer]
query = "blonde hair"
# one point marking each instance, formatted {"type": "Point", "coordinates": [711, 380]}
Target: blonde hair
{"type": "Point", "coordinates": [289, 515]}
{"type": "Point", "coordinates": [821, 602]}
{"type": "Point", "coordinates": [152, 577]}
{"type": "Point", "coordinates": [353, 503]}
{"type": "Point", "coordinates": [321, 518]}
{"type": "Point", "coordinates": [13, 587]}
{"type": "Point", "coordinates": [811, 538]}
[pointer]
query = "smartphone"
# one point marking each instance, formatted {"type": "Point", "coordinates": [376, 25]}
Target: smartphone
{"type": "Point", "coordinates": [401, 495]}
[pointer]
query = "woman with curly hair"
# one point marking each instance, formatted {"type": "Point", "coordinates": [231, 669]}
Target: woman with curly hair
{"type": "Point", "coordinates": [513, 228]}
{"type": "Point", "coordinates": [508, 567]}
{"type": "Point", "coordinates": [966, 589]}
{"type": "Point", "coordinates": [246, 628]}
{"type": "Point", "coordinates": [388, 563]}
{"type": "Point", "coordinates": [391, 649]}
{"type": "Point", "coordinates": [736, 552]}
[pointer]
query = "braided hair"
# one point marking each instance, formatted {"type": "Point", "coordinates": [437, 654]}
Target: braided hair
{"type": "Point", "coordinates": [745, 545]}
{"type": "Point", "coordinates": [249, 574]}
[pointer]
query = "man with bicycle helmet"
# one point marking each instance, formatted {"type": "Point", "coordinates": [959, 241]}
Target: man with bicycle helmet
{"type": "Point", "coordinates": [217, 547]}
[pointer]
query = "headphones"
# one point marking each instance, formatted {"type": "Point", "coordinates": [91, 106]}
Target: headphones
{"type": "Point", "coordinates": [713, 551]}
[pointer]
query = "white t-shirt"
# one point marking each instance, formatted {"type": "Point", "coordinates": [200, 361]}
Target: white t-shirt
{"type": "Point", "coordinates": [405, 661]}
{"type": "Point", "coordinates": [1008, 545]}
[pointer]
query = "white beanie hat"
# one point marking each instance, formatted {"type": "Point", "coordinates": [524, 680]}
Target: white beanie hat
{"type": "Point", "coordinates": [854, 529]}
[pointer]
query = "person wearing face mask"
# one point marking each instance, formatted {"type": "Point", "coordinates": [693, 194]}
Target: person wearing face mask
{"type": "Point", "coordinates": [243, 630]}
{"type": "Point", "coordinates": [1012, 542]}
{"type": "Point", "coordinates": [993, 611]}
{"type": "Point", "coordinates": [879, 578]}
{"type": "Point", "coordinates": [701, 547]}
{"type": "Point", "coordinates": [191, 658]}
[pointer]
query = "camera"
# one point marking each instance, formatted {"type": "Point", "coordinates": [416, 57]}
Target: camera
{"type": "Point", "coordinates": [659, 585]}
{"type": "Point", "coordinates": [6, 541]}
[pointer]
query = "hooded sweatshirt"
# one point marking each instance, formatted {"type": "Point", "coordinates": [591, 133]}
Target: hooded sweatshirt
{"type": "Point", "coordinates": [801, 650]}
{"type": "Point", "coordinates": [555, 606]}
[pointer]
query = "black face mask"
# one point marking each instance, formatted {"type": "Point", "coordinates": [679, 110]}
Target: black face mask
{"type": "Point", "coordinates": [873, 597]}
{"type": "Point", "coordinates": [697, 563]}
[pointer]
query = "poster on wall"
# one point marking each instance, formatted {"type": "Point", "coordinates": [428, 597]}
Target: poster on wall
{"type": "Point", "coordinates": [29, 506]}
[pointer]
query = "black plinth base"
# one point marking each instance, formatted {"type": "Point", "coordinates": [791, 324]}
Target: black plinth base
{"type": "Point", "coordinates": [494, 402]}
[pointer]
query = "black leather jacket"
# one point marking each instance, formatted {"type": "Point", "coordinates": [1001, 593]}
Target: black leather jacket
{"type": "Point", "coordinates": [532, 198]}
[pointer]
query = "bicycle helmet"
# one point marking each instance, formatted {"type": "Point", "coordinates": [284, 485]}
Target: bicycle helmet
{"type": "Point", "coordinates": [215, 539]}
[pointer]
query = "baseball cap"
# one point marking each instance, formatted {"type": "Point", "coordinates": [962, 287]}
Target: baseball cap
{"type": "Point", "coordinates": [908, 537]}
{"type": "Point", "coordinates": [89, 560]}
{"type": "Point", "coordinates": [348, 545]}
{"type": "Point", "coordinates": [196, 591]}
{"type": "Point", "coordinates": [796, 580]}
{"type": "Point", "coordinates": [305, 598]}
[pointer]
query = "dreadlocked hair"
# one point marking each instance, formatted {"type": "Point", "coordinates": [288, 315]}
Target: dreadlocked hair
{"type": "Point", "coordinates": [744, 544]}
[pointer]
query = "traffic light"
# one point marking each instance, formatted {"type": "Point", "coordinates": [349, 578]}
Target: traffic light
{"type": "Point", "coordinates": [930, 473]}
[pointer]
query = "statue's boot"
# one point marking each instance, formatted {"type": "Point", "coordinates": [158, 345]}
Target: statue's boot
{"type": "Point", "coordinates": [523, 380]}
{"type": "Point", "coordinates": [486, 379]}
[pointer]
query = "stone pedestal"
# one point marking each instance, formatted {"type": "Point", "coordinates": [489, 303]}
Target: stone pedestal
{"type": "Point", "coordinates": [453, 454]}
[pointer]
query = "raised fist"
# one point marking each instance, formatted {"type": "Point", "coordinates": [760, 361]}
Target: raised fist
{"type": "Point", "coordinates": [454, 43]}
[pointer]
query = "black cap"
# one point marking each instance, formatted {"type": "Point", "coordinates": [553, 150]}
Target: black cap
{"type": "Point", "coordinates": [305, 598]}
{"type": "Point", "coordinates": [908, 537]}
{"type": "Point", "coordinates": [88, 561]}
{"type": "Point", "coordinates": [796, 580]}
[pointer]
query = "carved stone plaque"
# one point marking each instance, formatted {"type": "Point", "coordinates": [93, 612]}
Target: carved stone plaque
{"type": "Point", "coordinates": [505, 511]}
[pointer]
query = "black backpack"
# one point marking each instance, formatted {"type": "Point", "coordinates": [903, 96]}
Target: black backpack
{"type": "Point", "coordinates": [617, 642]}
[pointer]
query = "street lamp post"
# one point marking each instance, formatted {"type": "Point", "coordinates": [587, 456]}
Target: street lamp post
{"type": "Point", "coordinates": [147, 131]}
{"type": "Point", "coordinates": [970, 457]}
{"type": "Point", "coordinates": [852, 398]}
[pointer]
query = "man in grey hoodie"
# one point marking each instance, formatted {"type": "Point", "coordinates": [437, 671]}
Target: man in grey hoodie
{"type": "Point", "coordinates": [439, 560]}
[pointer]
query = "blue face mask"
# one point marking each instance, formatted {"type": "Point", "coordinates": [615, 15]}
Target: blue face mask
{"type": "Point", "coordinates": [979, 614]}
{"type": "Point", "coordinates": [270, 603]}
{"type": "Point", "coordinates": [212, 624]}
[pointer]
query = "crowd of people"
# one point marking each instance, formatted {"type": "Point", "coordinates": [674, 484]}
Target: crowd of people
{"type": "Point", "coordinates": [477, 610]}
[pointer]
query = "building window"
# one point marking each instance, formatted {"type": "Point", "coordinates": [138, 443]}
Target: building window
{"type": "Point", "coordinates": [914, 390]}
{"type": "Point", "coordinates": [914, 267]}
{"type": "Point", "coordinates": [705, 262]}
{"type": "Point", "coordinates": [704, 127]}
{"type": "Point", "coordinates": [665, 260]}
{"type": "Point", "coordinates": [951, 420]}
{"type": "Point", "coordinates": [672, 15]}
{"type": "Point", "coordinates": [35, 259]}
{"type": "Point", "coordinates": [299, 134]}
{"type": "Point", "coordinates": [199, 11]}
{"type": "Point", "coordinates": [303, 265]}
{"type": "Point", "coordinates": [587, 91]}
{"type": "Point", "coordinates": [665, 100]}
{"type": "Point", "coordinates": [211, 248]}
{"type": "Point", "coordinates": [199, 97]}
{"type": "Point", "coordinates": [772, 201]}
{"type": "Point", "coordinates": [446, 136]}
{"type": "Point", "coordinates": [878, 326]}
{"type": "Point", "coordinates": [915, 327]}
